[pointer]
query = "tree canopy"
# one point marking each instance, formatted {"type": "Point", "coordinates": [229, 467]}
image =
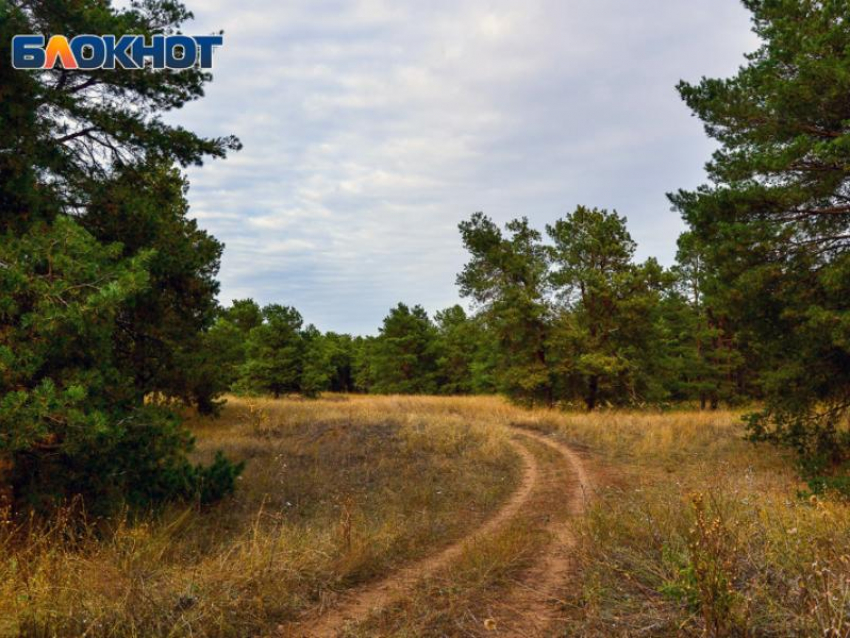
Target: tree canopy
{"type": "Point", "coordinates": [108, 287]}
{"type": "Point", "coordinates": [773, 226]}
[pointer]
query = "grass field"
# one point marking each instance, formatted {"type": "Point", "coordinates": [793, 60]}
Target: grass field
{"type": "Point", "coordinates": [698, 532]}
{"type": "Point", "coordinates": [689, 530]}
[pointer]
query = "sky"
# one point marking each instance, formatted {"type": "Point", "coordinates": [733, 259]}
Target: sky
{"type": "Point", "coordinates": [371, 128]}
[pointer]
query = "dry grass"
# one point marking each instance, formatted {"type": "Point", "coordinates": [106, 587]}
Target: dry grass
{"type": "Point", "coordinates": [698, 532]}
{"type": "Point", "coordinates": [336, 492]}
{"type": "Point", "coordinates": [693, 531]}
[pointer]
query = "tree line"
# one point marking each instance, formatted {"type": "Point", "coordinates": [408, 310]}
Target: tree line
{"type": "Point", "coordinates": [571, 321]}
{"type": "Point", "coordinates": [757, 306]}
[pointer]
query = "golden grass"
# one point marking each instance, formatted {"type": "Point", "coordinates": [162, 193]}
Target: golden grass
{"type": "Point", "coordinates": [336, 492]}
{"type": "Point", "coordinates": [692, 531]}
{"type": "Point", "coordinates": [696, 531]}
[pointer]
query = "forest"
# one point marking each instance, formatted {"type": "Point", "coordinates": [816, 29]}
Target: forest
{"type": "Point", "coordinates": [109, 286]}
{"type": "Point", "coordinates": [121, 371]}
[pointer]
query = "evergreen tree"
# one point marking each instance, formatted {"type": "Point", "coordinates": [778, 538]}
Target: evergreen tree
{"type": "Point", "coordinates": [609, 334]}
{"type": "Point", "coordinates": [70, 418]}
{"type": "Point", "coordinates": [90, 208]}
{"type": "Point", "coordinates": [362, 368]}
{"type": "Point", "coordinates": [63, 134]}
{"type": "Point", "coordinates": [275, 352]}
{"type": "Point", "coordinates": [774, 224]}
{"type": "Point", "coordinates": [403, 357]}
{"type": "Point", "coordinates": [716, 365]}
{"type": "Point", "coordinates": [218, 362]}
{"type": "Point", "coordinates": [341, 350]}
{"type": "Point", "coordinates": [318, 368]}
{"type": "Point", "coordinates": [244, 314]}
{"type": "Point", "coordinates": [458, 345]}
{"type": "Point", "coordinates": [508, 278]}
{"type": "Point", "coordinates": [160, 341]}
{"type": "Point", "coordinates": [682, 368]}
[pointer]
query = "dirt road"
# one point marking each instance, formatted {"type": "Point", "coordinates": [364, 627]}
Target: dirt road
{"type": "Point", "coordinates": [532, 604]}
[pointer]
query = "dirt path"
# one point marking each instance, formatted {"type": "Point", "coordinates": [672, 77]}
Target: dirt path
{"type": "Point", "coordinates": [532, 606]}
{"type": "Point", "coordinates": [531, 600]}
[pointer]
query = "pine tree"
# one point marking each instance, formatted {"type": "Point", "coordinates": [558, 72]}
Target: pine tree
{"type": "Point", "coordinates": [341, 350]}
{"type": "Point", "coordinates": [160, 342]}
{"type": "Point", "coordinates": [244, 314]}
{"type": "Point", "coordinates": [508, 278]}
{"type": "Point", "coordinates": [774, 224]}
{"type": "Point", "coordinates": [459, 346]}
{"type": "Point", "coordinates": [609, 307]}
{"type": "Point", "coordinates": [403, 357]}
{"type": "Point", "coordinates": [716, 362]}
{"type": "Point", "coordinates": [318, 367]}
{"type": "Point", "coordinates": [107, 286]}
{"type": "Point", "coordinates": [275, 352]}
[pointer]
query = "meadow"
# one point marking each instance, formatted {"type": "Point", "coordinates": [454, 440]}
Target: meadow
{"type": "Point", "coordinates": [683, 528]}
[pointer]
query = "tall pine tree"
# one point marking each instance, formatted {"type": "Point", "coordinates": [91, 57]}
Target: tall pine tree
{"type": "Point", "coordinates": [609, 305]}
{"type": "Point", "coordinates": [508, 278]}
{"type": "Point", "coordinates": [774, 223]}
{"type": "Point", "coordinates": [106, 284]}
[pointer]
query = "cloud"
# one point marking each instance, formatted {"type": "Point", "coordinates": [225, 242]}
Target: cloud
{"type": "Point", "coordinates": [371, 128]}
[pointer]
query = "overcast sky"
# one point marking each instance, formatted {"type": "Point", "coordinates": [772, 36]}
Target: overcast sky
{"type": "Point", "coordinates": [372, 127]}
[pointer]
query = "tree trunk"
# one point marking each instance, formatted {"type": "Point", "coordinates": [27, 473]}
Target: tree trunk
{"type": "Point", "coordinates": [7, 494]}
{"type": "Point", "coordinates": [549, 390]}
{"type": "Point", "coordinates": [592, 393]}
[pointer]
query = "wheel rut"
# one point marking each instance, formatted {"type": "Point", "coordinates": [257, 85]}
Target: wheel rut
{"type": "Point", "coordinates": [532, 602]}
{"type": "Point", "coordinates": [533, 605]}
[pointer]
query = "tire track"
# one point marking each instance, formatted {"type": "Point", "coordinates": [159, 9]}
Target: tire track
{"type": "Point", "coordinates": [532, 605]}
{"type": "Point", "coordinates": [531, 599]}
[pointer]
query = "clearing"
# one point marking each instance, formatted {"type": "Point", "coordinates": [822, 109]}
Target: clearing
{"type": "Point", "coordinates": [426, 516]}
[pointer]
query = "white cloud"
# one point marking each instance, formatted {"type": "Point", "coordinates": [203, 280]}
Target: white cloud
{"type": "Point", "coordinates": [372, 127]}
